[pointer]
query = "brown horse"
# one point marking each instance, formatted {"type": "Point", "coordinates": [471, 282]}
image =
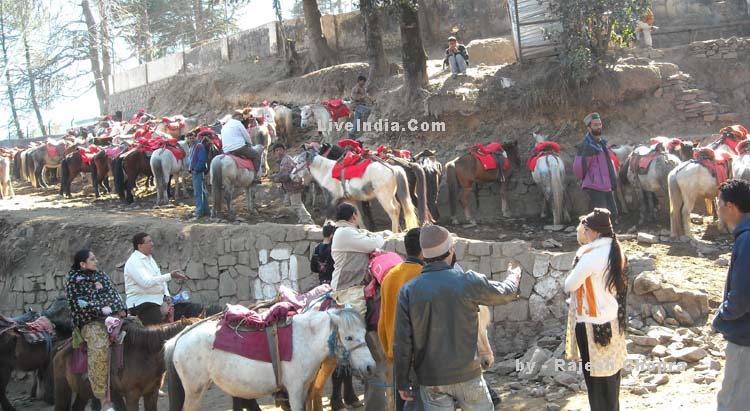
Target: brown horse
{"type": "Point", "coordinates": [140, 376]}
{"type": "Point", "coordinates": [433, 172]}
{"type": "Point", "coordinates": [48, 156]}
{"type": "Point", "coordinates": [466, 171]}
{"type": "Point", "coordinates": [126, 169]}
{"type": "Point", "coordinates": [16, 353]}
{"type": "Point", "coordinates": [73, 165]}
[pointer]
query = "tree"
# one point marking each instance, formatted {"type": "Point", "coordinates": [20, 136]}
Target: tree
{"type": "Point", "coordinates": [93, 54]}
{"type": "Point", "coordinates": [4, 45]}
{"type": "Point", "coordinates": [105, 43]}
{"type": "Point", "coordinates": [320, 53]}
{"type": "Point", "coordinates": [587, 29]}
{"type": "Point", "coordinates": [412, 50]}
{"type": "Point", "coordinates": [26, 15]}
{"type": "Point", "coordinates": [374, 40]}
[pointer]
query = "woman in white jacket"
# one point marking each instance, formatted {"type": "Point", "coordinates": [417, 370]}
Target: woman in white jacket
{"type": "Point", "coordinates": [596, 318]}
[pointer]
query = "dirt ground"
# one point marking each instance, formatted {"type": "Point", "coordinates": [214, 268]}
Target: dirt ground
{"type": "Point", "coordinates": [680, 261]}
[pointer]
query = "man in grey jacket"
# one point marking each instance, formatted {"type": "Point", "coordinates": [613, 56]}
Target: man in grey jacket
{"type": "Point", "coordinates": [436, 328]}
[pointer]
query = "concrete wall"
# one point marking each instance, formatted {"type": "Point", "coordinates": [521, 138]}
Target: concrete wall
{"type": "Point", "coordinates": [165, 67]}
{"type": "Point", "coordinates": [128, 79]}
{"type": "Point", "coordinates": [129, 101]}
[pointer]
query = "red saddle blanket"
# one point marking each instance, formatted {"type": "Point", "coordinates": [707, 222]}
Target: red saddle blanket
{"type": "Point", "coordinates": [347, 142]}
{"type": "Point", "coordinates": [645, 161]}
{"type": "Point", "coordinates": [173, 124]}
{"type": "Point", "coordinates": [382, 151]}
{"type": "Point", "coordinates": [540, 150]}
{"type": "Point", "coordinates": [336, 108]}
{"type": "Point", "coordinates": [486, 156]}
{"type": "Point", "coordinates": [242, 162]}
{"type": "Point", "coordinates": [87, 154]}
{"type": "Point", "coordinates": [717, 163]}
{"type": "Point", "coordinates": [55, 149]}
{"type": "Point", "coordinates": [253, 344]}
{"type": "Point", "coordinates": [152, 144]}
{"type": "Point", "coordinates": [668, 143]}
{"type": "Point", "coordinates": [350, 166]}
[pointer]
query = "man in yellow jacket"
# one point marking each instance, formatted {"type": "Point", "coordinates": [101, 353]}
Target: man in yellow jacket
{"type": "Point", "coordinates": [396, 278]}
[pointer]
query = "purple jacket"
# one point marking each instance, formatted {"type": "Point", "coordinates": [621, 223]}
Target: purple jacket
{"type": "Point", "coordinates": [593, 167]}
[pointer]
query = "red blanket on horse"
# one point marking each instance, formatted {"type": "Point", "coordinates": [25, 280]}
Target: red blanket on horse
{"type": "Point", "coordinates": [149, 145]}
{"type": "Point", "coordinates": [486, 155]}
{"type": "Point", "coordinates": [646, 160]}
{"type": "Point", "coordinates": [383, 151]}
{"type": "Point", "coordinates": [173, 124]}
{"type": "Point", "coordinates": [253, 343]}
{"type": "Point", "coordinates": [55, 149]}
{"type": "Point", "coordinates": [242, 162]}
{"type": "Point", "coordinates": [540, 150]}
{"type": "Point", "coordinates": [668, 143]}
{"type": "Point", "coordinates": [717, 163]}
{"type": "Point", "coordinates": [336, 108]}
{"type": "Point", "coordinates": [351, 166]}
{"type": "Point", "coordinates": [87, 154]}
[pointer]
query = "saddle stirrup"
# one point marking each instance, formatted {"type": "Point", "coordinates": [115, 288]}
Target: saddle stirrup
{"type": "Point", "coordinates": [272, 336]}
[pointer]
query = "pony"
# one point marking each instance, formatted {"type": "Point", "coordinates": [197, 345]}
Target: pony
{"type": "Point", "coordinates": [415, 176]}
{"type": "Point", "coordinates": [193, 364]}
{"type": "Point", "coordinates": [141, 374]}
{"type": "Point", "coordinates": [176, 130]}
{"type": "Point", "coordinates": [689, 182]}
{"type": "Point", "coordinates": [433, 172]}
{"type": "Point", "coordinates": [260, 136]}
{"type": "Point", "coordinates": [48, 157]}
{"type": "Point", "coordinates": [126, 169]}
{"type": "Point", "coordinates": [549, 175]}
{"type": "Point", "coordinates": [386, 183]}
{"type": "Point", "coordinates": [465, 171]}
{"type": "Point", "coordinates": [284, 124]}
{"type": "Point", "coordinates": [16, 353]}
{"type": "Point", "coordinates": [164, 165]}
{"type": "Point", "coordinates": [622, 196]}
{"type": "Point", "coordinates": [318, 114]}
{"type": "Point", "coordinates": [225, 178]}
{"type": "Point", "coordinates": [741, 164]}
{"type": "Point", "coordinates": [652, 182]}
{"type": "Point", "coordinates": [72, 166]}
{"type": "Point", "coordinates": [6, 185]}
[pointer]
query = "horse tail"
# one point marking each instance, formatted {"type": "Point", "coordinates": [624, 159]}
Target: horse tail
{"type": "Point", "coordinates": [404, 198]}
{"type": "Point", "coordinates": [450, 173]}
{"type": "Point", "coordinates": [676, 203]}
{"type": "Point", "coordinates": [174, 383]}
{"type": "Point", "coordinates": [557, 177]}
{"type": "Point", "coordinates": [157, 169]}
{"type": "Point", "coordinates": [216, 183]}
{"type": "Point", "coordinates": [119, 175]}
{"type": "Point", "coordinates": [65, 176]}
{"type": "Point", "coordinates": [623, 175]}
{"type": "Point", "coordinates": [424, 212]}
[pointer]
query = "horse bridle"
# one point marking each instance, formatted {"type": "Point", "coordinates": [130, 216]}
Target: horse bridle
{"type": "Point", "coordinates": [336, 346]}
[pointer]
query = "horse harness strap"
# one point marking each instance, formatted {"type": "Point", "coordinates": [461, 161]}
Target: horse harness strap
{"type": "Point", "coordinates": [272, 336]}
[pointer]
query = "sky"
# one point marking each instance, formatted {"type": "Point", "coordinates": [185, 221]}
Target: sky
{"type": "Point", "coordinates": [64, 112]}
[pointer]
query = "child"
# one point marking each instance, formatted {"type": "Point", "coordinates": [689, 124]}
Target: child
{"type": "Point", "coordinates": [322, 262]}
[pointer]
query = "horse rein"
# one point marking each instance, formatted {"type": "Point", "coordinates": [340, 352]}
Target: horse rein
{"type": "Point", "coordinates": [334, 342]}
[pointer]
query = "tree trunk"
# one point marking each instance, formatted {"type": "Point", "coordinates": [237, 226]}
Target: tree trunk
{"type": "Point", "coordinates": [374, 39]}
{"type": "Point", "coordinates": [429, 21]}
{"type": "Point", "coordinates": [320, 53]}
{"type": "Point", "coordinates": [6, 64]}
{"type": "Point", "coordinates": [105, 44]}
{"type": "Point", "coordinates": [412, 51]}
{"type": "Point", "coordinates": [200, 29]}
{"type": "Point", "coordinates": [94, 57]}
{"type": "Point", "coordinates": [32, 86]}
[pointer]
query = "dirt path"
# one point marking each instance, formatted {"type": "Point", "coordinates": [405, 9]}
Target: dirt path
{"type": "Point", "coordinates": [680, 261]}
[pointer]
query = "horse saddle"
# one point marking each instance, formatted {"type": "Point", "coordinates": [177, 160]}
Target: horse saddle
{"type": "Point", "coordinates": [490, 156]}
{"type": "Point", "coordinates": [643, 156]}
{"type": "Point", "coordinates": [55, 148]}
{"type": "Point", "coordinates": [33, 327]}
{"type": "Point", "coordinates": [351, 165]}
{"type": "Point", "coordinates": [719, 164]}
{"type": "Point", "coordinates": [173, 124]}
{"type": "Point", "coordinates": [336, 108]}
{"type": "Point", "coordinates": [540, 150]}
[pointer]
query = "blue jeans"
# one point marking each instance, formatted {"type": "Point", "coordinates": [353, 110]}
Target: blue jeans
{"type": "Point", "coordinates": [360, 114]}
{"type": "Point", "coordinates": [457, 63]}
{"type": "Point", "coordinates": [201, 198]}
{"type": "Point", "coordinates": [471, 395]}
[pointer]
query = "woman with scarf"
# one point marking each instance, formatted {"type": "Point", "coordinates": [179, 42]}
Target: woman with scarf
{"type": "Point", "coordinates": [596, 317]}
{"type": "Point", "coordinates": [92, 298]}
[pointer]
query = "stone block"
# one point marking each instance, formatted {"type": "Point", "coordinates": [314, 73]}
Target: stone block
{"type": "Point", "coordinates": [527, 285]}
{"type": "Point", "coordinates": [245, 271]}
{"type": "Point", "coordinates": [227, 260]}
{"type": "Point", "coordinates": [538, 308]}
{"type": "Point", "coordinates": [301, 247]}
{"type": "Point", "coordinates": [263, 242]}
{"type": "Point", "coordinates": [227, 285]}
{"type": "Point", "coordinates": [263, 256]}
{"type": "Point", "coordinates": [209, 296]}
{"type": "Point", "coordinates": [270, 273]}
{"type": "Point", "coordinates": [255, 259]}
{"type": "Point", "coordinates": [513, 311]}
{"type": "Point", "coordinates": [195, 271]}
{"type": "Point", "coordinates": [646, 282]}
{"type": "Point", "coordinates": [243, 288]}
{"type": "Point", "coordinates": [479, 248]}
{"type": "Point", "coordinates": [485, 266]}
{"type": "Point", "coordinates": [498, 265]}
{"type": "Point", "coordinates": [237, 244]}
{"type": "Point", "coordinates": [212, 271]}
{"type": "Point", "coordinates": [513, 248]}
{"type": "Point", "coordinates": [209, 284]}
{"type": "Point", "coordinates": [299, 267]}
{"type": "Point", "coordinates": [284, 268]}
{"type": "Point", "coordinates": [296, 233]}
{"type": "Point", "coordinates": [257, 289]}
{"type": "Point", "coordinates": [269, 291]}
{"type": "Point", "coordinates": [282, 253]}
{"type": "Point", "coordinates": [547, 287]}
{"type": "Point", "coordinates": [541, 265]}
{"type": "Point", "coordinates": [243, 257]}
{"type": "Point", "coordinates": [315, 234]}
{"type": "Point", "coordinates": [460, 248]}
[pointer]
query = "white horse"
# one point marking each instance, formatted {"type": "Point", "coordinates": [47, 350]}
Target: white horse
{"type": "Point", "coordinates": [6, 185]}
{"type": "Point", "coordinates": [623, 197]}
{"type": "Point", "coordinates": [388, 184]}
{"type": "Point", "coordinates": [653, 182]}
{"type": "Point", "coordinates": [164, 165]}
{"type": "Point", "coordinates": [741, 164]}
{"type": "Point", "coordinates": [318, 115]}
{"type": "Point", "coordinates": [225, 178]}
{"type": "Point", "coordinates": [688, 183]}
{"type": "Point", "coordinates": [284, 123]}
{"type": "Point", "coordinates": [549, 175]}
{"type": "Point", "coordinates": [193, 364]}
{"type": "Point", "coordinates": [261, 136]}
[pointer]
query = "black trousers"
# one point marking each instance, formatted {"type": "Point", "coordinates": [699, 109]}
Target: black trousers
{"type": "Point", "coordinates": [342, 379]}
{"type": "Point", "coordinates": [604, 392]}
{"type": "Point", "coordinates": [249, 153]}
{"type": "Point", "coordinates": [148, 313]}
{"type": "Point", "coordinates": [602, 199]}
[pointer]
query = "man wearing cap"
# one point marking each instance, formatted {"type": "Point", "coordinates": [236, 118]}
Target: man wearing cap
{"type": "Point", "coordinates": [436, 328]}
{"type": "Point", "coordinates": [236, 140]}
{"type": "Point", "coordinates": [362, 104]}
{"type": "Point", "coordinates": [293, 189]}
{"type": "Point", "coordinates": [456, 57]}
{"type": "Point", "coordinates": [594, 169]}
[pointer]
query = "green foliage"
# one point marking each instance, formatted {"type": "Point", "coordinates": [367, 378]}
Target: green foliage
{"type": "Point", "coordinates": [588, 27]}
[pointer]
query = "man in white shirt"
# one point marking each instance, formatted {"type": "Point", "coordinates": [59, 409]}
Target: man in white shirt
{"type": "Point", "coordinates": [236, 140]}
{"type": "Point", "coordinates": [147, 294]}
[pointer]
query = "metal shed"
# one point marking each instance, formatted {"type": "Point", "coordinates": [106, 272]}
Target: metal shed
{"type": "Point", "coordinates": [532, 23]}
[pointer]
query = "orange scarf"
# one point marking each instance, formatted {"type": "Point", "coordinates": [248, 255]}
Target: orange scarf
{"type": "Point", "coordinates": [589, 298]}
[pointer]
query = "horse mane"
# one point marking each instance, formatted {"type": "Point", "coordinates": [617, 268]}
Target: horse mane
{"type": "Point", "coordinates": [151, 338]}
{"type": "Point", "coordinates": [195, 310]}
{"type": "Point", "coordinates": [349, 317]}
